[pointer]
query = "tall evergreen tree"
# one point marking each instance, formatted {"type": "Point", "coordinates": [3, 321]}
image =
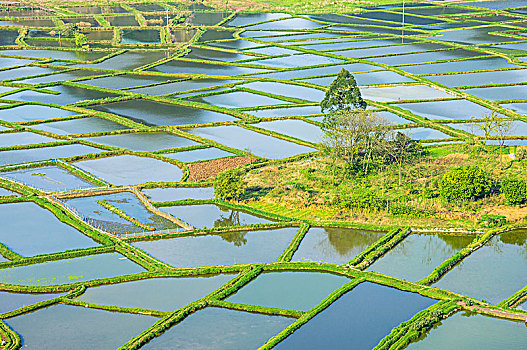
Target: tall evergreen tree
{"type": "Point", "coordinates": [343, 94]}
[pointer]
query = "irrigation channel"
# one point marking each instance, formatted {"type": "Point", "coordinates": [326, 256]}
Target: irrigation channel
{"type": "Point", "coordinates": [110, 235]}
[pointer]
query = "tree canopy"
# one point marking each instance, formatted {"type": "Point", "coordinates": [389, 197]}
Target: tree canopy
{"type": "Point", "coordinates": [343, 94]}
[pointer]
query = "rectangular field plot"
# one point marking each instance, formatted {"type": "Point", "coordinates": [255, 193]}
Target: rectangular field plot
{"type": "Point", "coordinates": [125, 81]}
{"type": "Point", "coordinates": [154, 113]}
{"type": "Point", "coordinates": [418, 254]}
{"type": "Point", "coordinates": [44, 153]}
{"type": "Point", "coordinates": [288, 23]}
{"type": "Point", "coordinates": [483, 78]}
{"type": "Point", "coordinates": [55, 54]}
{"type": "Point", "coordinates": [297, 290]}
{"type": "Point", "coordinates": [503, 260]}
{"type": "Point", "coordinates": [295, 128]}
{"type": "Point", "coordinates": [211, 215]}
{"type": "Point", "coordinates": [128, 169]}
{"type": "Point", "coordinates": [216, 329]}
{"type": "Point", "coordinates": [13, 301]}
{"type": "Point", "coordinates": [515, 92]}
{"type": "Point", "coordinates": [294, 61]}
{"type": "Point", "coordinates": [94, 211]}
{"type": "Point", "coordinates": [146, 142]}
{"type": "Point", "coordinates": [164, 294]}
{"type": "Point", "coordinates": [43, 234]}
{"type": "Point", "coordinates": [180, 86]}
{"type": "Point", "coordinates": [244, 19]}
{"type": "Point", "coordinates": [258, 144]}
{"type": "Point", "coordinates": [76, 74]}
{"type": "Point", "coordinates": [140, 36]}
{"type": "Point", "coordinates": [441, 110]}
{"type": "Point", "coordinates": [430, 56]}
{"type": "Point", "coordinates": [236, 44]}
{"type": "Point", "coordinates": [520, 108]}
{"type": "Point", "coordinates": [415, 92]}
{"type": "Point", "coordinates": [239, 99]}
{"type": "Point", "coordinates": [325, 70]}
{"type": "Point", "coordinates": [79, 126]}
{"type": "Point", "coordinates": [288, 90]}
{"type": "Point", "coordinates": [240, 247]}
{"type": "Point", "coordinates": [70, 271]}
{"type": "Point", "coordinates": [8, 37]}
{"type": "Point", "coordinates": [215, 55]}
{"type": "Point", "coordinates": [129, 60]}
{"type": "Point", "coordinates": [425, 133]}
{"type": "Point", "coordinates": [476, 36]}
{"type": "Point", "coordinates": [72, 327]}
{"type": "Point", "coordinates": [199, 155]}
{"type": "Point", "coordinates": [27, 71]}
{"type": "Point", "coordinates": [392, 117]}
{"type": "Point", "coordinates": [175, 194]}
{"type": "Point", "coordinates": [376, 310]}
{"type": "Point", "coordinates": [334, 245]}
{"type": "Point", "coordinates": [459, 66]}
{"type": "Point", "coordinates": [32, 112]}
{"type": "Point", "coordinates": [285, 112]}
{"type": "Point", "coordinates": [4, 192]}
{"type": "Point", "coordinates": [67, 95]}
{"type": "Point", "coordinates": [472, 331]}
{"type": "Point", "coordinates": [387, 50]}
{"type": "Point", "coordinates": [23, 138]}
{"type": "Point", "coordinates": [49, 178]}
{"type": "Point", "coordinates": [181, 66]}
{"type": "Point", "coordinates": [516, 128]}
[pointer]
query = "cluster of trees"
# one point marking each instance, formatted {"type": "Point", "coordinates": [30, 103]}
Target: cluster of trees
{"type": "Point", "coordinates": [358, 138]}
{"type": "Point", "coordinates": [71, 30]}
{"type": "Point", "coordinates": [468, 183]}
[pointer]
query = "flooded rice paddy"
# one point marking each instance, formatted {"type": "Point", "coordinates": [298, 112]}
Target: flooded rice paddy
{"type": "Point", "coordinates": [108, 228]}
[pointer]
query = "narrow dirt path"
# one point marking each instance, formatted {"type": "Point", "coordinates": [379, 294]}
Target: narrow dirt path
{"type": "Point", "coordinates": [516, 316]}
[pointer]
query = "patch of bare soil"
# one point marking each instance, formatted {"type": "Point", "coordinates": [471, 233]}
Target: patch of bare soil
{"type": "Point", "coordinates": [3, 339]}
{"type": "Point", "coordinates": [513, 214]}
{"type": "Point", "coordinates": [204, 170]}
{"type": "Point", "coordinates": [498, 313]}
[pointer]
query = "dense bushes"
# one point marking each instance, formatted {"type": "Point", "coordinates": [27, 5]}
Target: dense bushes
{"type": "Point", "coordinates": [514, 190]}
{"type": "Point", "coordinates": [360, 198]}
{"type": "Point", "coordinates": [408, 210]}
{"type": "Point", "coordinates": [492, 220]}
{"type": "Point", "coordinates": [464, 183]}
{"type": "Point", "coordinates": [229, 185]}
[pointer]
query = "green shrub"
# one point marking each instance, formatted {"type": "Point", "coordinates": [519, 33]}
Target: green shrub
{"type": "Point", "coordinates": [514, 190]}
{"type": "Point", "coordinates": [229, 185]}
{"type": "Point", "coordinates": [464, 183]}
{"type": "Point", "coordinates": [407, 210]}
{"type": "Point", "coordinates": [360, 198]}
{"type": "Point", "coordinates": [492, 220]}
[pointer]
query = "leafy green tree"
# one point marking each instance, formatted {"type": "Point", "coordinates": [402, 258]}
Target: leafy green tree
{"type": "Point", "coordinates": [350, 137]}
{"type": "Point", "coordinates": [514, 190]}
{"type": "Point", "coordinates": [400, 149]}
{"type": "Point", "coordinates": [464, 183]}
{"type": "Point", "coordinates": [80, 39]}
{"type": "Point", "coordinates": [343, 94]}
{"type": "Point", "coordinates": [229, 185]}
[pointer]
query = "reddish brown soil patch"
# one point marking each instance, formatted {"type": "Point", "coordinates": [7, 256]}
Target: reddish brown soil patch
{"type": "Point", "coordinates": [3, 338]}
{"type": "Point", "coordinates": [204, 170]}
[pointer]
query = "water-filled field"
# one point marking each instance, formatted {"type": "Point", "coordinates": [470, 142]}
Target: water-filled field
{"type": "Point", "coordinates": [114, 119]}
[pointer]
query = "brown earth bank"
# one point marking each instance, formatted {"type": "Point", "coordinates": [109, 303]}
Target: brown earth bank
{"type": "Point", "coordinates": [517, 316]}
{"type": "Point", "coordinates": [3, 339]}
{"type": "Point", "coordinates": [204, 170]}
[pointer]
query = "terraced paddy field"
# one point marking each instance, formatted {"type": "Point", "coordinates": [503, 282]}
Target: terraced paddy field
{"type": "Point", "coordinates": [115, 118]}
